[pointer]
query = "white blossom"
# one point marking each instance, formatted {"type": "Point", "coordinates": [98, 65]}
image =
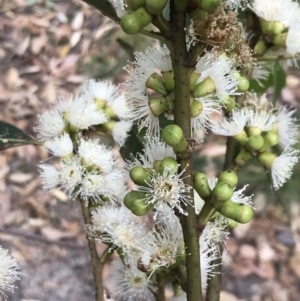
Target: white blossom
{"type": "Point", "coordinates": [61, 146]}
{"type": "Point", "coordinates": [262, 119]}
{"type": "Point", "coordinates": [50, 176]}
{"type": "Point", "coordinates": [293, 38]}
{"type": "Point", "coordinates": [239, 197]}
{"type": "Point", "coordinates": [120, 131]}
{"type": "Point", "coordinates": [9, 272]}
{"type": "Point", "coordinates": [236, 4]}
{"type": "Point", "coordinates": [261, 72]}
{"type": "Point", "coordinates": [282, 166]}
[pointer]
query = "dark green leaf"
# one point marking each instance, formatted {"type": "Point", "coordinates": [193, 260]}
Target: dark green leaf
{"type": "Point", "coordinates": [11, 136]}
{"type": "Point", "coordinates": [105, 7]}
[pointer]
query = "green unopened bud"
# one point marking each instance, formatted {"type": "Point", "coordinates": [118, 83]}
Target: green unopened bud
{"type": "Point", "coordinates": [209, 5]}
{"type": "Point", "coordinates": [241, 137]}
{"type": "Point", "coordinates": [135, 4]}
{"type": "Point", "coordinates": [260, 47]}
{"type": "Point", "coordinates": [243, 84]}
{"type": "Point", "coordinates": [243, 157]}
{"type": "Point", "coordinates": [109, 111]}
{"type": "Point", "coordinates": [270, 139]}
{"type": "Point", "coordinates": [130, 24]}
{"type": "Point", "coordinates": [255, 142]}
{"type": "Point", "coordinates": [100, 103]}
{"type": "Point", "coordinates": [169, 79]}
{"type": "Point", "coordinates": [136, 202]}
{"type": "Point", "coordinates": [206, 87]}
{"type": "Point", "coordinates": [173, 136]}
{"type": "Point", "coordinates": [222, 192]}
{"type": "Point", "coordinates": [229, 177]}
{"type": "Point", "coordinates": [109, 125]}
{"type": "Point", "coordinates": [143, 16]}
{"type": "Point", "coordinates": [231, 223]}
{"type": "Point", "coordinates": [158, 105]}
{"type": "Point", "coordinates": [169, 163]}
{"type": "Point", "coordinates": [156, 7]}
{"type": "Point", "coordinates": [196, 108]}
{"type": "Point", "coordinates": [271, 27]}
{"type": "Point", "coordinates": [157, 83]}
{"type": "Point", "coordinates": [253, 130]}
{"type": "Point", "coordinates": [266, 159]}
{"type": "Point", "coordinates": [139, 176]}
{"type": "Point", "coordinates": [240, 213]}
{"type": "Point", "coordinates": [193, 80]}
{"type": "Point", "coordinates": [156, 165]}
{"type": "Point", "coordinates": [201, 185]}
{"type": "Point", "coordinates": [280, 39]}
{"type": "Point", "coordinates": [228, 104]}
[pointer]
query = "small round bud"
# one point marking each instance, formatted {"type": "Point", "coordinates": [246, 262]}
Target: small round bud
{"type": "Point", "coordinates": [101, 103]}
{"type": "Point", "coordinates": [156, 7]}
{"type": "Point", "coordinates": [169, 79]}
{"type": "Point", "coordinates": [209, 5]}
{"type": "Point", "coordinates": [136, 202]}
{"type": "Point", "coordinates": [255, 142]}
{"type": "Point", "coordinates": [229, 177]}
{"type": "Point", "coordinates": [139, 176]}
{"type": "Point", "coordinates": [172, 134]}
{"type": "Point", "coordinates": [240, 213]}
{"type": "Point", "coordinates": [260, 47]}
{"type": "Point", "coordinates": [196, 108]}
{"type": "Point", "coordinates": [143, 16]}
{"type": "Point", "coordinates": [280, 39]}
{"type": "Point", "coordinates": [228, 104]}
{"type": "Point", "coordinates": [271, 27]}
{"type": "Point", "coordinates": [109, 125]}
{"type": "Point", "coordinates": [266, 159]}
{"type": "Point", "coordinates": [243, 84]}
{"type": "Point", "coordinates": [156, 165]}
{"type": "Point", "coordinates": [231, 223]}
{"type": "Point", "coordinates": [271, 138]}
{"type": "Point", "coordinates": [243, 157]}
{"type": "Point", "coordinates": [156, 83]}
{"type": "Point", "coordinates": [169, 163]}
{"type": "Point", "coordinates": [241, 137]}
{"type": "Point", "coordinates": [197, 14]}
{"type": "Point", "coordinates": [109, 111]}
{"type": "Point", "coordinates": [206, 87]}
{"type": "Point", "coordinates": [135, 4]}
{"type": "Point", "coordinates": [193, 80]}
{"type": "Point", "coordinates": [158, 105]}
{"type": "Point", "coordinates": [130, 24]}
{"type": "Point", "coordinates": [201, 185]}
{"type": "Point", "coordinates": [253, 130]}
{"type": "Point", "coordinates": [222, 192]}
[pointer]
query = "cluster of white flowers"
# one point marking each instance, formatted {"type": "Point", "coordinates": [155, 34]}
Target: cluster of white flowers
{"type": "Point", "coordinates": [261, 120]}
{"type": "Point", "coordinates": [9, 272]}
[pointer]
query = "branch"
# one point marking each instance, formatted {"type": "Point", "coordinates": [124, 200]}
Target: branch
{"type": "Point", "coordinates": [271, 58]}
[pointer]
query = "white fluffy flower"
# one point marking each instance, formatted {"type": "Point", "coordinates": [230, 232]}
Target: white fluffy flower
{"type": "Point", "coordinates": [282, 166]}
{"type": "Point", "coordinates": [50, 124]}
{"type": "Point", "coordinates": [155, 149]}
{"type": "Point", "coordinates": [61, 146]}
{"type": "Point", "coordinates": [236, 4]}
{"type": "Point", "coordinates": [128, 283]}
{"type": "Point", "coordinates": [262, 119]}
{"type": "Point", "coordinates": [230, 126]}
{"type": "Point", "coordinates": [168, 188]}
{"type": "Point", "coordinates": [120, 131]}
{"type": "Point", "coordinates": [275, 10]}
{"type": "Point", "coordinates": [293, 38]}
{"type": "Point", "coordinates": [287, 126]}
{"type": "Point", "coordinates": [50, 176]}
{"type": "Point", "coordinates": [261, 72]}
{"type": "Point", "coordinates": [9, 272]}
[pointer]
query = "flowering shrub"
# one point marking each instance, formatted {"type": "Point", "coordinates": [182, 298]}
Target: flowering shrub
{"type": "Point", "coordinates": [199, 80]}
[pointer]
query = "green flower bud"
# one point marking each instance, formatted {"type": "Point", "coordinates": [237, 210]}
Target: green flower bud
{"type": "Point", "coordinates": [197, 14]}
{"type": "Point", "coordinates": [143, 16]}
{"type": "Point", "coordinates": [206, 87]}
{"type": "Point", "coordinates": [253, 130]}
{"type": "Point", "coordinates": [158, 105]}
{"type": "Point", "coordinates": [169, 79]}
{"type": "Point", "coordinates": [255, 142]}
{"type": "Point", "coordinates": [280, 39]}
{"type": "Point", "coordinates": [156, 83]}
{"type": "Point", "coordinates": [110, 112]}
{"type": "Point", "coordinates": [135, 4]}
{"type": "Point", "coordinates": [209, 5]}
{"type": "Point", "coordinates": [156, 164]}
{"type": "Point", "coordinates": [240, 213]}
{"type": "Point", "coordinates": [222, 192]}
{"type": "Point", "coordinates": [101, 103]}
{"type": "Point", "coordinates": [229, 177]}
{"type": "Point", "coordinates": [109, 125]}
{"type": "Point", "coordinates": [156, 7]}
{"type": "Point", "coordinates": [130, 24]}
{"type": "Point", "coordinates": [243, 157]}
{"type": "Point", "coordinates": [270, 139]}
{"type": "Point", "coordinates": [231, 223]}
{"type": "Point", "coordinates": [241, 137]}
{"type": "Point", "coordinates": [196, 108]}
{"type": "Point", "coordinates": [139, 176]}
{"type": "Point", "coordinates": [228, 104]}
{"type": "Point", "coordinates": [260, 47]}
{"type": "Point", "coordinates": [201, 185]}
{"type": "Point", "coordinates": [136, 202]}
{"type": "Point", "coordinates": [169, 163]}
{"type": "Point", "coordinates": [271, 27]}
{"type": "Point", "coordinates": [193, 80]}
{"type": "Point", "coordinates": [243, 84]}
{"type": "Point", "coordinates": [266, 159]}
{"type": "Point", "coordinates": [173, 136]}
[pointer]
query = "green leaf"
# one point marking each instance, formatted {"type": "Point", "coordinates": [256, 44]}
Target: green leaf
{"type": "Point", "coordinates": [105, 7]}
{"type": "Point", "coordinates": [279, 81]}
{"type": "Point", "coordinates": [11, 136]}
